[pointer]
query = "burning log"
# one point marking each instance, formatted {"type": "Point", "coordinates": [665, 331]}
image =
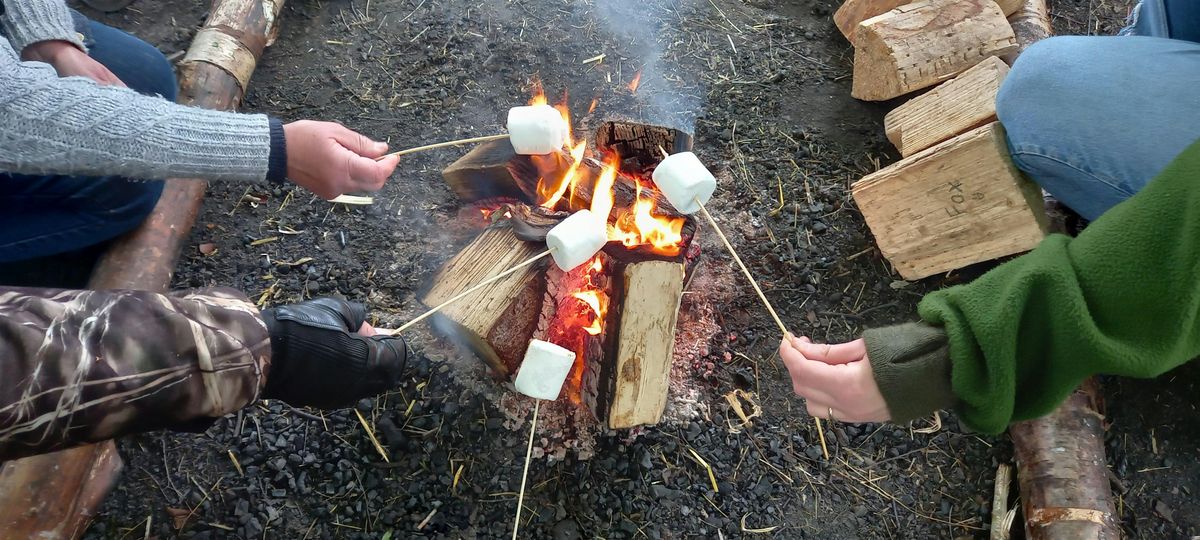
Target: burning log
{"type": "Point", "coordinates": [959, 105]}
{"type": "Point", "coordinates": [618, 311]}
{"type": "Point", "coordinates": [492, 322]}
{"type": "Point", "coordinates": [650, 295]}
{"type": "Point", "coordinates": [921, 44]}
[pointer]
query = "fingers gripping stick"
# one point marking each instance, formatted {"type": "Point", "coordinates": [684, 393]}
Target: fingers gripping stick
{"type": "Point", "coordinates": [533, 130]}
{"type": "Point", "coordinates": [572, 242]}
{"type": "Point", "coordinates": [688, 185]}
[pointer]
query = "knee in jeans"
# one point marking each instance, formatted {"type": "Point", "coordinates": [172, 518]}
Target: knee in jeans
{"type": "Point", "coordinates": [1041, 83]}
{"type": "Point", "coordinates": [132, 201]}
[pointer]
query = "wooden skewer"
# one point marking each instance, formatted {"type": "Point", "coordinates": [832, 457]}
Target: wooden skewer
{"type": "Point", "coordinates": [459, 142]}
{"type": "Point", "coordinates": [525, 473]}
{"type": "Point", "coordinates": [761, 296]}
{"type": "Point", "coordinates": [463, 294]}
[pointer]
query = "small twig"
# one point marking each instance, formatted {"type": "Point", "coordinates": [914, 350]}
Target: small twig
{"type": "Point", "coordinates": [1000, 502]}
{"type": "Point", "coordinates": [371, 435]}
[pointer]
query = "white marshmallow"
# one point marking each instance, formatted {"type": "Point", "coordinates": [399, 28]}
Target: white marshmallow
{"type": "Point", "coordinates": [544, 370]}
{"type": "Point", "coordinates": [577, 239]}
{"type": "Point", "coordinates": [684, 181]}
{"type": "Point", "coordinates": [537, 129]}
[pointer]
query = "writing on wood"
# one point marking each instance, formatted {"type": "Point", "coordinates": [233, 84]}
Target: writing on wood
{"type": "Point", "coordinates": [952, 205]}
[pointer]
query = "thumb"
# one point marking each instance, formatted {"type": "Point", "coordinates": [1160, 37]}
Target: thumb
{"type": "Point", "coordinates": [842, 353]}
{"type": "Point", "coordinates": [358, 143]}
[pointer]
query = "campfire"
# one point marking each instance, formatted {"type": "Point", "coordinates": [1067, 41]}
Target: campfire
{"type": "Point", "coordinates": [618, 311]}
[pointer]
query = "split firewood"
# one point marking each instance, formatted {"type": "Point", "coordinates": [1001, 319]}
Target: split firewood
{"type": "Point", "coordinates": [957, 106]}
{"type": "Point", "coordinates": [1031, 23]}
{"type": "Point", "coordinates": [921, 44]}
{"type": "Point", "coordinates": [954, 204]}
{"type": "Point", "coordinates": [650, 298]}
{"type": "Point", "coordinates": [854, 12]}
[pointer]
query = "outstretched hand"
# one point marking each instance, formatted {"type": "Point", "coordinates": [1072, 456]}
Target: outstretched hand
{"type": "Point", "coordinates": [835, 380]}
{"type": "Point", "coordinates": [330, 160]}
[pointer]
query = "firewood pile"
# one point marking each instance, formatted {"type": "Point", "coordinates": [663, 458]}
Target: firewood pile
{"type": "Point", "coordinates": [955, 198]}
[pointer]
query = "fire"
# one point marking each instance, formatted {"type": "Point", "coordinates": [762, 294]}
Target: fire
{"type": "Point", "coordinates": [539, 95]}
{"type": "Point", "coordinates": [592, 107]}
{"type": "Point", "coordinates": [641, 227]}
{"type": "Point", "coordinates": [602, 193]}
{"type": "Point", "coordinates": [598, 302]}
{"type": "Point", "coordinates": [635, 83]}
{"type": "Point", "coordinates": [551, 192]}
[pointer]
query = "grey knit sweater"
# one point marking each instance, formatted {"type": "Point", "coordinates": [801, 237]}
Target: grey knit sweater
{"type": "Point", "coordinates": [72, 126]}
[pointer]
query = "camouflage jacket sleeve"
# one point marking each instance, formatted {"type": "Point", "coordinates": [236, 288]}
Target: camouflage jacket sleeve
{"type": "Point", "coordinates": [84, 366]}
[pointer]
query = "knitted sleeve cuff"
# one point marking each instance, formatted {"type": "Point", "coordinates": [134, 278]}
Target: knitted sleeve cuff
{"type": "Point", "coordinates": [33, 21]}
{"type": "Point", "coordinates": [277, 160]}
{"type": "Point", "coordinates": [912, 365]}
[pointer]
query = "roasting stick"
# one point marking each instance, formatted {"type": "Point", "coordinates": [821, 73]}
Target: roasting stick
{"type": "Point", "coordinates": [543, 371]}
{"type": "Point", "coordinates": [572, 242]}
{"type": "Point", "coordinates": [459, 142]}
{"type": "Point", "coordinates": [533, 130]}
{"type": "Point", "coordinates": [525, 472]}
{"type": "Point", "coordinates": [465, 293]}
{"type": "Point", "coordinates": [699, 204]}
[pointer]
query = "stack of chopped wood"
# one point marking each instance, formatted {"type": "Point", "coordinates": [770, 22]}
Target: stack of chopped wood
{"type": "Point", "coordinates": [956, 198]}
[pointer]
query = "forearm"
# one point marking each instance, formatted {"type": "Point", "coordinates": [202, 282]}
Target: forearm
{"type": "Point", "coordinates": [1121, 299]}
{"type": "Point", "coordinates": [72, 126]}
{"type": "Point", "coordinates": [85, 366]}
{"type": "Point", "coordinates": [30, 21]}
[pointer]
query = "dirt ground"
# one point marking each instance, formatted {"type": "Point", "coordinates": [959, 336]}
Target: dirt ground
{"type": "Point", "coordinates": [765, 88]}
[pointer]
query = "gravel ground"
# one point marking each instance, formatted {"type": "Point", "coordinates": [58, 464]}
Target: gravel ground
{"type": "Point", "coordinates": [765, 88]}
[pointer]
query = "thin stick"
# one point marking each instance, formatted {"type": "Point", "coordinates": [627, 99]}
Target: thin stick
{"type": "Point", "coordinates": [525, 473]}
{"type": "Point", "coordinates": [463, 294]}
{"type": "Point", "coordinates": [761, 296]}
{"type": "Point", "coordinates": [459, 142]}
{"type": "Point", "coordinates": [742, 265]}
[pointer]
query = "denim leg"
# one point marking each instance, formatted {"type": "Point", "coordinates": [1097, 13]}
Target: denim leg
{"type": "Point", "coordinates": [1093, 119]}
{"type": "Point", "coordinates": [1174, 19]}
{"type": "Point", "coordinates": [46, 215]}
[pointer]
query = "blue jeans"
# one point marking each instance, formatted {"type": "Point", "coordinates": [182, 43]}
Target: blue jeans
{"type": "Point", "coordinates": [1093, 119]}
{"type": "Point", "coordinates": [46, 215]}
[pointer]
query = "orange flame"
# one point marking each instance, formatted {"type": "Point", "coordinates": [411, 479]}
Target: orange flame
{"type": "Point", "coordinates": [539, 95]}
{"type": "Point", "coordinates": [598, 302]}
{"type": "Point", "coordinates": [592, 107]}
{"type": "Point", "coordinates": [602, 192]}
{"type": "Point", "coordinates": [641, 227]}
{"type": "Point", "coordinates": [551, 192]}
{"type": "Point", "coordinates": [635, 83]}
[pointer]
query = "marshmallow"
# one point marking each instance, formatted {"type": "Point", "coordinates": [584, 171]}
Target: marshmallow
{"type": "Point", "coordinates": [537, 129]}
{"type": "Point", "coordinates": [577, 239]}
{"type": "Point", "coordinates": [685, 181]}
{"type": "Point", "coordinates": [544, 369]}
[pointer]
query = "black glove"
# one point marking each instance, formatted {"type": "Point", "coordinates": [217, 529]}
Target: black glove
{"type": "Point", "coordinates": [318, 359]}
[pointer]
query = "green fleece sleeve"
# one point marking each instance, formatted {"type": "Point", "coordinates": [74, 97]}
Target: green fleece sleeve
{"type": "Point", "coordinates": [1123, 298]}
{"type": "Point", "coordinates": [911, 364]}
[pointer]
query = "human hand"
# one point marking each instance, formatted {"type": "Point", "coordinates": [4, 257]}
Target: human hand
{"type": "Point", "coordinates": [318, 359]}
{"type": "Point", "coordinates": [69, 61]}
{"type": "Point", "coordinates": [835, 380]}
{"type": "Point", "coordinates": [329, 159]}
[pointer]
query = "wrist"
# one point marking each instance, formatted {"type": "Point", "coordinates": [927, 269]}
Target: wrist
{"type": "Point", "coordinates": [47, 51]}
